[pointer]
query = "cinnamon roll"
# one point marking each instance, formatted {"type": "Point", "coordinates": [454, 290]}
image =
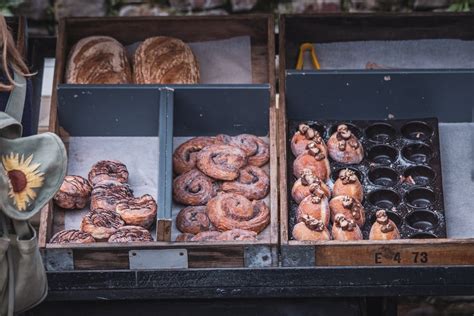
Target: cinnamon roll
{"type": "Point", "coordinates": [107, 194]}
{"type": "Point", "coordinates": [315, 205]}
{"type": "Point", "coordinates": [344, 147]}
{"type": "Point", "coordinates": [304, 136]}
{"type": "Point", "coordinates": [237, 234]}
{"type": "Point", "coordinates": [193, 220]}
{"type": "Point", "coordinates": [206, 236]}
{"type": "Point", "coordinates": [253, 183]}
{"type": "Point", "coordinates": [229, 211]}
{"type": "Point", "coordinates": [139, 211]}
{"type": "Point", "coordinates": [383, 228]}
{"type": "Point", "coordinates": [314, 160]}
{"type": "Point", "coordinates": [307, 184]}
{"type": "Point", "coordinates": [74, 193]}
{"type": "Point", "coordinates": [345, 229]}
{"type": "Point", "coordinates": [349, 207]}
{"type": "Point", "coordinates": [348, 184]}
{"type": "Point", "coordinates": [131, 234]}
{"type": "Point", "coordinates": [194, 188]}
{"type": "Point", "coordinates": [72, 236]}
{"type": "Point", "coordinates": [101, 224]}
{"type": "Point", "coordinates": [221, 162]}
{"type": "Point", "coordinates": [256, 149]}
{"type": "Point", "coordinates": [184, 237]}
{"type": "Point", "coordinates": [311, 228]}
{"type": "Point", "coordinates": [108, 170]}
{"type": "Point", "coordinates": [185, 156]}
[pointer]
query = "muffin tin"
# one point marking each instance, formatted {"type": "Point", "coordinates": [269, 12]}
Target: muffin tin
{"type": "Point", "coordinates": [401, 172]}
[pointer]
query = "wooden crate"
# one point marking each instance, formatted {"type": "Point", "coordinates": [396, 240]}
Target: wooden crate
{"type": "Point", "coordinates": [356, 92]}
{"type": "Point", "coordinates": [163, 254]}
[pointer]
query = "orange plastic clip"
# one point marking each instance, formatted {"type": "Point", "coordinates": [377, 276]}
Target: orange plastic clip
{"type": "Point", "coordinates": [314, 58]}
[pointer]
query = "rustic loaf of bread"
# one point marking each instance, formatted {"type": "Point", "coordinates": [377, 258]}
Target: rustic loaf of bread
{"type": "Point", "coordinates": [160, 60]}
{"type": "Point", "coordinates": [98, 60]}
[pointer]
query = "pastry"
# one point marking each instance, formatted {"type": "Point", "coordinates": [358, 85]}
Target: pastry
{"type": "Point", "coordinates": [256, 149]}
{"type": "Point", "coordinates": [221, 162]}
{"type": "Point", "coordinates": [349, 207]}
{"type": "Point", "coordinates": [345, 229]}
{"type": "Point", "coordinates": [304, 136]}
{"type": "Point", "coordinates": [184, 237]}
{"type": "Point", "coordinates": [140, 211]}
{"type": "Point", "coordinates": [162, 60]}
{"type": "Point", "coordinates": [107, 194]}
{"type": "Point", "coordinates": [237, 234]}
{"type": "Point", "coordinates": [131, 234]}
{"type": "Point", "coordinates": [98, 60]}
{"type": "Point", "coordinates": [311, 228]}
{"type": "Point", "coordinates": [315, 205]}
{"type": "Point", "coordinates": [74, 193]}
{"type": "Point", "coordinates": [72, 236]}
{"type": "Point", "coordinates": [229, 211]}
{"type": "Point", "coordinates": [348, 184]}
{"type": "Point", "coordinates": [101, 224]}
{"type": "Point", "coordinates": [344, 147]}
{"type": "Point", "coordinates": [206, 236]}
{"type": "Point", "coordinates": [193, 220]}
{"type": "Point", "coordinates": [314, 160]}
{"type": "Point", "coordinates": [253, 183]}
{"type": "Point", "coordinates": [383, 228]}
{"type": "Point", "coordinates": [108, 170]}
{"type": "Point", "coordinates": [194, 188]}
{"type": "Point", "coordinates": [307, 184]}
{"type": "Point", "coordinates": [185, 156]}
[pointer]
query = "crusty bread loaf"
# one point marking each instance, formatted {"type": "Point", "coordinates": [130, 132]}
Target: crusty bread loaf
{"type": "Point", "coordinates": [98, 60]}
{"type": "Point", "coordinates": [160, 60]}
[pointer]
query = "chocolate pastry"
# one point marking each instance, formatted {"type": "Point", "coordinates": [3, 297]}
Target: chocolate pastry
{"type": "Point", "coordinates": [311, 228]}
{"type": "Point", "coordinates": [304, 136]}
{"type": "Point", "coordinates": [237, 234]}
{"type": "Point", "coordinates": [74, 193]}
{"type": "Point", "coordinates": [193, 220]}
{"type": "Point", "coordinates": [229, 211]}
{"type": "Point", "coordinates": [161, 60]}
{"type": "Point", "coordinates": [194, 188]}
{"type": "Point", "coordinates": [315, 205]}
{"type": "Point", "coordinates": [72, 236]}
{"type": "Point", "coordinates": [383, 228]}
{"type": "Point", "coordinates": [349, 207]}
{"type": "Point", "coordinates": [131, 234]}
{"type": "Point", "coordinates": [348, 184]}
{"type": "Point", "coordinates": [206, 236]}
{"type": "Point", "coordinates": [345, 229]}
{"type": "Point", "coordinates": [314, 160]}
{"type": "Point", "coordinates": [256, 149]}
{"type": "Point", "coordinates": [221, 162]}
{"type": "Point", "coordinates": [184, 237]}
{"type": "Point", "coordinates": [344, 147]}
{"type": "Point", "coordinates": [107, 194]}
{"type": "Point", "coordinates": [139, 211]}
{"type": "Point", "coordinates": [101, 224]}
{"type": "Point", "coordinates": [307, 184]}
{"type": "Point", "coordinates": [98, 60]}
{"type": "Point", "coordinates": [185, 156]}
{"type": "Point", "coordinates": [108, 170]}
{"type": "Point", "coordinates": [253, 183]}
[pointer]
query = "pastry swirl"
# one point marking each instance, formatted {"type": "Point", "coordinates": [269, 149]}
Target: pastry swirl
{"type": "Point", "coordinates": [131, 234]}
{"type": "Point", "coordinates": [72, 236]}
{"type": "Point", "coordinates": [101, 224]}
{"type": "Point", "coordinates": [206, 236]}
{"type": "Point", "coordinates": [194, 188]}
{"type": "Point", "coordinates": [185, 156]}
{"type": "Point", "coordinates": [307, 184]}
{"type": "Point", "coordinates": [139, 211]}
{"type": "Point", "coordinates": [256, 149]}
{"type": "Point", "coordinates": [108, 170]}
{"type": "Point", "coordinates": [107, 194]}
{"type": "Point", "coordinates": [229, 211]}
{"type": "Point", "coordinates": [253, 183]}
{"type": "Point", "coordinates": [237, 234]}
{"type": "Point", "coordinates": [221, 162]}
{"type": "Point", "coordinates": [74, 193]}
{"type": "Point", "coordinates": [193, 220]}
{"type": "Point", "coordinates": [184, 237]}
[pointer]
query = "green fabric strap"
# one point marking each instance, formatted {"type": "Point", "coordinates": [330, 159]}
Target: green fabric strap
{"type": "Point", "coordinates": [16, 101]}
{"type": "Point", "coordinates": [11, 275]}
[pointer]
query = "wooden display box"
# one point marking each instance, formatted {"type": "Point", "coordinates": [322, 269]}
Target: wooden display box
{"type": "Point", "coordinates": [376, 95]}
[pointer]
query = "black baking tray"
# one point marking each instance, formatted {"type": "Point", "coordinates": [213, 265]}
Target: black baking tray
{"type": "Point", "coordinates": [394, 150]}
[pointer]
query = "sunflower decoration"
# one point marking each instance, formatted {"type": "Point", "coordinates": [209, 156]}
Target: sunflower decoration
{"type": "Point", "coordinates": [24, 177]}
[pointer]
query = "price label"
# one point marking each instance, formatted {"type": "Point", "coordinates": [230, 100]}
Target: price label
{"type": "Point", "coordinates": [414, 257]}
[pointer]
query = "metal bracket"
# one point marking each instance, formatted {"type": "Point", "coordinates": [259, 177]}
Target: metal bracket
{"type": "Point", "coordinates": [258, 256]}
{"type": "Point", "coordinates": [158, 259]}
{"type": "Point", "coordinates": [298, 256]}
{"type": "Point", "coordinates": [58, 259]}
